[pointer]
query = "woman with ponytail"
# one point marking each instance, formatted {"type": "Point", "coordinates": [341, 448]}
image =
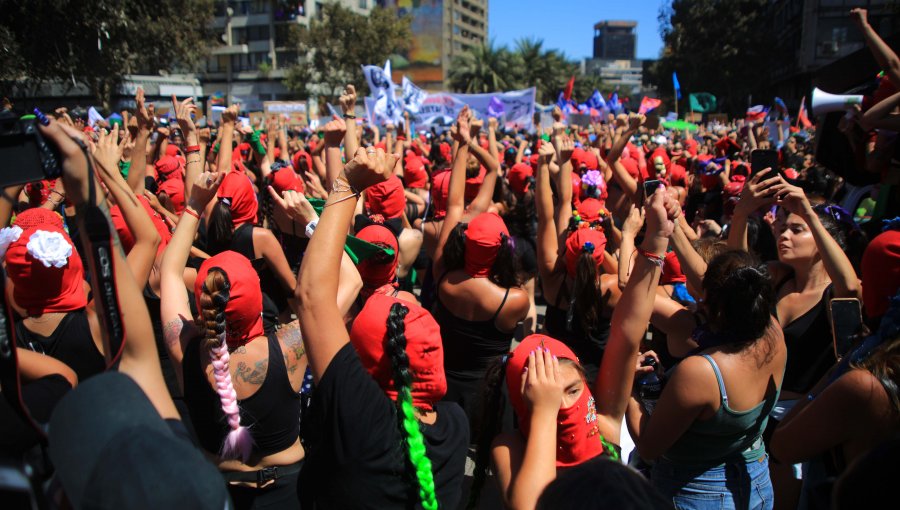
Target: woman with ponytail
{"type": "Point", "coordinates": [580, 296]}
{"type": "Point", "coordinates": [705, 433]}
{"type": "Point", "coordinates": [379, 435]}
{"type": "Point", "coordinates": [232, 226]}
{"type": "Point", "coordinates": [240, 385]}
{"type": "Point", "coordinates": [479, 300]}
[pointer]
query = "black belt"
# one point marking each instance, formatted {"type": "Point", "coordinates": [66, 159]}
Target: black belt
{"type": "Point", "coordinates": [261, 476]}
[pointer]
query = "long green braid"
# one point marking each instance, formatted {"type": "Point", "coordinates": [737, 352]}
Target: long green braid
{"type": "Point", "coordinates": [409, 425]}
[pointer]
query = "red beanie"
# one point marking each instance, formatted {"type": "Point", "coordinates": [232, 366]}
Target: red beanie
{"type": "Point", "coordinates": [484, 236]}
{"type": "Point", "coordinates": [423, 347]}
{"type": "Point", "coordinates": [520, 178]}
{"type": "Point", "coordinates": [38, 216]}
{"type": "Point", "coordinates": [243, 312]}
{"type": "Point", "coordinates": [375, 271]}
{"type": "Point", "coordinates": [168, 168]}
{"type": "Point", "coordinates": [386, 198]}
{"type": "Point", "coordinates": [237, 191]}
{"type": "Point", "coordinates": [881, 272]}
{"type": "Point", "coordinates": [581, 240]}
{"type": "Point", "coordinates": [578, 436]}
{"type": "Point", "coordinates": [440, 192]}
{"type": "Point", "coordinates": [46, 271]}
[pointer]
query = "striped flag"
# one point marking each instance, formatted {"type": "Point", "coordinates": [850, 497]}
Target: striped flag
{"type": "Point", "coordinates": [757, 113]}
{"type": "Point", "coordinates": [801, 115]}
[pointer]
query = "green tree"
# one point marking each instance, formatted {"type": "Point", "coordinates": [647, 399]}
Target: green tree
{"type": "Point", "coordinates": [335, 46]}
{"type": "Point", "coordinates": [484, 68]}
{"type": "Point", "coordinates": [715, 46]}
{"type": "Point", "coordinates": [96, 43]}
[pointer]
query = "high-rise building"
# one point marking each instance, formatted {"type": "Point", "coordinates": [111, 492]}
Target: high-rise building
{"type": "Point", "coordinates": [252, 63]}
{"type": "Point", "coordinates": [441, 29]}
{"type": "Point", "coordinates": [615, 40]}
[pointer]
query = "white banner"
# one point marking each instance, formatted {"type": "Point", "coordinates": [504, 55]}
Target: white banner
{"type": "Point", "coordinates": [413, 96]}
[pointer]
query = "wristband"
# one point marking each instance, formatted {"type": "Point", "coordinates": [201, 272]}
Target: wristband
{"type": "Point", "coordinates": [191, 148]}
{"type": "Point", "coordinates": [652, 257]}
{"type": "Point", "coordinates": [311, 227]}
{"type": "Point", "coordinates": [349, 116]}
{"type": "Point", "coordinates": [192, 212]}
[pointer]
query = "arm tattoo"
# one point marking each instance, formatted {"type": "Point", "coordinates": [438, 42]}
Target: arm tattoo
{"type": "Point", "coordinates": [255, 375]}
{"type": "Point", "coordinates": [172, 332]}
{"type": "Point", "coordinates": [293, 341]}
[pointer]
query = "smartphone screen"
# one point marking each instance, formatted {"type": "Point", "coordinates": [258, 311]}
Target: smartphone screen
{"type": "Point", "coordinates": [761, 159]}
{"type": "Point", "coordinates": [846, 324]}
{"type": "Point", "coordinates": [650, 187]}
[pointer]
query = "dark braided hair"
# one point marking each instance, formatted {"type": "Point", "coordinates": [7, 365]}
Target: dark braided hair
{"type": "Point", "coordinates": [409, 425]}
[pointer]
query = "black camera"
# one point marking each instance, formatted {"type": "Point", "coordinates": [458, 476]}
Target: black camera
{"type": "Point", "coordinates": [25, 155]}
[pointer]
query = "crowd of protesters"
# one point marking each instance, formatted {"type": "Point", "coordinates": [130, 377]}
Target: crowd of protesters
{"type": "Point", "coordinates": [265, 316]}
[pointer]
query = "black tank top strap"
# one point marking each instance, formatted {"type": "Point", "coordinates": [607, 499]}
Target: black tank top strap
{"type": "Point", "coordinates": [497, 313]}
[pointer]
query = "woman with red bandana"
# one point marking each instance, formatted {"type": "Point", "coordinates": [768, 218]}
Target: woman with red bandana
{"type": "Point", "coordinates": [580, 297]}
{"type": "Point", "coordinates": [379, 436]}
{"type": "Point", "coordinates": [232, 226]}
{"type": "Point", "coordinates": [478, 301]}
{"type": "Point", "coordinates": [560, 423]}
{"type": "Point", "coordinates": [240, 384]}
{"type": "Point", "coordinates": [379, 272]}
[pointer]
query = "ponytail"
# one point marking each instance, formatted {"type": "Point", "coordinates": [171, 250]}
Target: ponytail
{"type": "Point", "coordinates": [488, 422]}
{"type": "Point", "coordinates": [409, 425]}
{"type": "Point", "coordinates": [238, 443]}
{"type": "Point", "coordinates": [220, 228]}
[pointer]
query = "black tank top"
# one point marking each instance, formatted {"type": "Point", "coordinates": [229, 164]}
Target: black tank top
{"type": "Point", "coordinates": [810, 349]}
{"type": "Point", "coordinates": [272, 413]}
{"type": "Point", "coordinates": [71, 342]}
{"type": "Point", "coordinates": [470, 345]}
{"type": "Point", "coordinates": [165, 362]}
{"type": "Point", "coordinates": [587, 345]}
{"type": "Point", "coordinates": [274, 297]}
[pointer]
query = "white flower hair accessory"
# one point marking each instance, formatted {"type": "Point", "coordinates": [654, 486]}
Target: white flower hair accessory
{"type": "Point", "coordinates": [51, 248]}
{"type": "Point", "coordinates": [8, 236]}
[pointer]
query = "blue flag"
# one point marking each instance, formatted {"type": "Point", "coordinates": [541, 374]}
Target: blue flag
{"type": "Point", "coordinates": [613, 103]}
{"type": "Point", "coordinates": [676, 85]}
{"type": "Point", "coordinates": [596, 101]}
{"type": "Point", "coordinates": [781, 107]}
{"type": "Point", "coordinates": [561, 102]}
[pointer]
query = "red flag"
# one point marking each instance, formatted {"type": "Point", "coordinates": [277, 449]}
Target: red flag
{"type": "Point", "coordinates": [801, 115]}
{"type": "Point", "coordinates": [648, 104]}
{"type": "Point", "coordinates": [568, 92]}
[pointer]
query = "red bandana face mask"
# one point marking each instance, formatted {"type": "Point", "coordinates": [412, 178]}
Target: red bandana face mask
{"type": "Point", "coordinates": [423, 347]}
{"type": "Point", "coordinates": [243, 312]}
{"type": "Point", "coordinates": [377, 272]}
{"type": "Point", "coordinates": [484, 235]}
{"type": "Point", "coordinates": [440, 190]}
{"type": "Point", "coordinates": [578, 436]}
{"type": "Point", "coordinates": [386, 198]}
{"type": "Point", "coordinates": [46, 271]}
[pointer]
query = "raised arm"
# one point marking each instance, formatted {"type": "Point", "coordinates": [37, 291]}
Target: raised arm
{"type": "Point", "coordinates": [335, 132]}
{"type": "Point", "coordinates": [139, 358]}
{"type": "Point", "coordinates": [882, 116]}
{"type": "Point", "coordinates": [456, 206]}
{"type": "Point", "coordinates": [883, 53]}
{"type": "Point", "coordinates": [146, 238]}
{"type": "Point", "coordinates": [757, 193]}
{"type": "Point", "coordinates": [193, 155]}
{"type": "Point", "coordinates": [348, 105]}
{"type": "Point", "coordinates": [175, 311]}
{"type": "Point", "coordinates": [138, 169]}
{"type": "Point", "coordinates": [632, 313]}
{"type": "Point", "coordinates": [321, 321]}
{"type": "Point", "coordinates": [547, 235]}
{"type": "Point", "coordinates": [486, 192]}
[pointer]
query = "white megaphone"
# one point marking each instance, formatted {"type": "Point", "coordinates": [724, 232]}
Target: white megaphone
{"type": "Point", "coordinates": [823, 102]}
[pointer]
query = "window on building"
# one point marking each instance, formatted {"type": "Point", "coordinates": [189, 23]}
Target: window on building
{"type": "Point", "coordinates": [456, 30]}
{"type": "Point", "coordinates": [363, 4]}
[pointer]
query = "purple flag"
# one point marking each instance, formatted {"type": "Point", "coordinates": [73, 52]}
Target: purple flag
{"type": "Point", "coordinates": [495, 107]}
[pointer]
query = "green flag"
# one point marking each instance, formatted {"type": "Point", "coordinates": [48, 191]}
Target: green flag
{"type": "Point", "coordinates": [355, 247]}
{"type": "Point", "coordinates": [702, 102]}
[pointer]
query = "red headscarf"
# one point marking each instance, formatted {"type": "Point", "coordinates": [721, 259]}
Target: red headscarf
{"type": "Point", "coordinates": [473, 184]}
{"type": "Point", "coordinates": [446, 152]}
{"type": "Point", "coordinates": [414, 174]}
{"type": "Point", "coordinates": [577, 243]}
{"type": "Point", "coordinates": [243, 312]}
{"type": "Point", "coordinates": [55, 284]}
{"type": "Point", "coordinates": [237, 190]}
{"type": "Point", "coordinates": [484, 236]}
{"type": "Point", "coordinates": [286, 179]}
{"type": "Point", "coordinates": [376, 273]}
{"type": "Point", "coordinates": [881, 272]}
{"type": "Point", "coordinates": [174, 189]}
{"type": "Point", "coordinates": [295, 160]}
{"type": "Point", "coordinates": [423, 347]}
{"type": "Point", "coordinates": [576, 189]}
{"type": "Point", "coordinates": [125, 235]}
{"type": "Point", "coordinates": [386, 198]}
{"type": "Point", "coordinates": [590, 209]}
{"type": "Point", "coordinates": [440, 191]}
{"type": "Point", "coordinates": [168, 167]}
{"type": "Point", "coordinates": [578, 436]}
{"type": "Point", "coordinates": [518, 177]}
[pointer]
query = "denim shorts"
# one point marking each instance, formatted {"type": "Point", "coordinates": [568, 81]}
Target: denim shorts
{"type": "Point", "coordinates": [735, 485]}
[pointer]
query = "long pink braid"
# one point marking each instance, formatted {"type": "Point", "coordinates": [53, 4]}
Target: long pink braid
{"type": "Point", "coordinates": [238, 443]}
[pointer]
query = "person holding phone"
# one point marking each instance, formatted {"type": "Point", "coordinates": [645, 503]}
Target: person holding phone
{"type": "Point", "coordinates": [812, 268]}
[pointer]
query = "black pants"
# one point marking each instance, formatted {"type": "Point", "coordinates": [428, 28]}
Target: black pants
{"type": "Point", "coordinates": [281, 494]}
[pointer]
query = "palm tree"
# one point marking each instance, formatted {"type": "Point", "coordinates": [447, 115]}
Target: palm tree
{"type": "Point", "coordinates": [546, 70]}
{"type": "Point", "coordinates": [483, 69]}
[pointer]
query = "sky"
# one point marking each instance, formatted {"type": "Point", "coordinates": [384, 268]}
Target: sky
{"type": "Point", "coordinates": [568, 25]}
